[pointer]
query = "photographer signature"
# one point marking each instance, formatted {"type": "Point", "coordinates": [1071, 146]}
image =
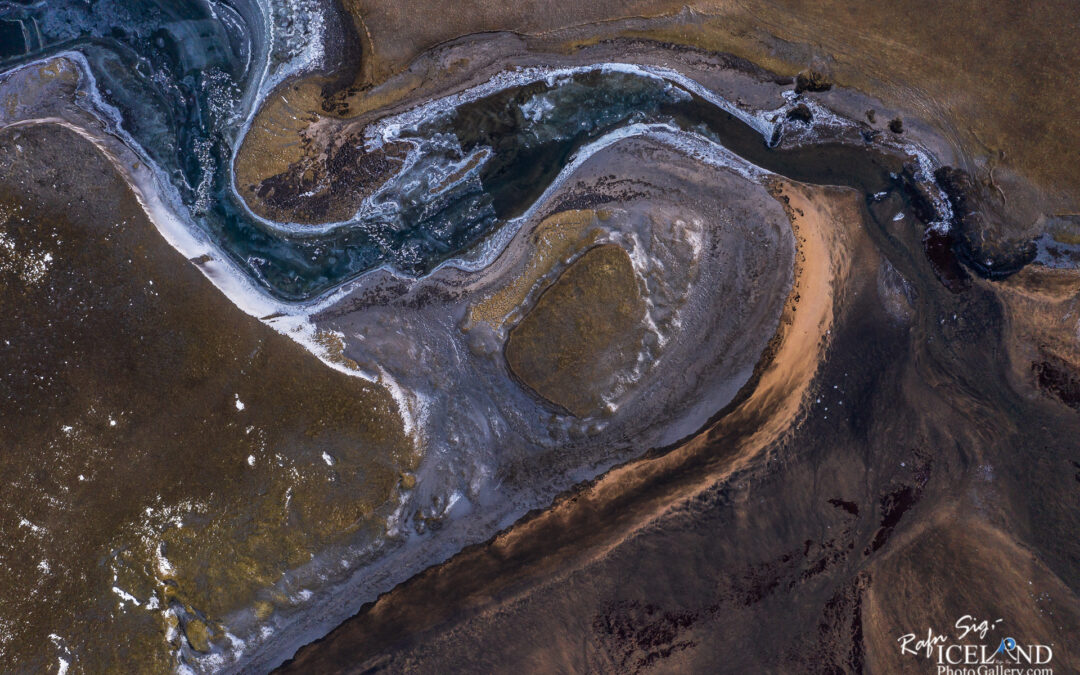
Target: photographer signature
{"type": "Point", "coordinates": [965, 625]}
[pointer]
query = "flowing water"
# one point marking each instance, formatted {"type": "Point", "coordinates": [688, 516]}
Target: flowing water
{"type": "Point", "coordinates": [185, 78]}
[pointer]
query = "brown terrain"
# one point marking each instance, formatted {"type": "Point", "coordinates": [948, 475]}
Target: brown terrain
{"type": "Point", "coordinates": [904, 455]}
{"type": "Point", "coordinates": [904, 452]}
{"type": "Point", "coordinates": [139, 403]}
{"type": "Point", "coordinates": [832, 510]}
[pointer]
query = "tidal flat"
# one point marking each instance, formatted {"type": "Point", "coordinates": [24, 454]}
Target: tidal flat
{"type": "Point", "coordinates": [349, 337]}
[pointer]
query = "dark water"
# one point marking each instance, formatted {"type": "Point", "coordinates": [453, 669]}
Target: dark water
{"type": "Point", "coordinates": [183, 76]}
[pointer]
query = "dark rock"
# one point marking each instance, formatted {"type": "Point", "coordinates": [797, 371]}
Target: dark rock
{"type": "Point", "coordinates": [850, 507]}
{"type": "Point", "coordinates": [811, 80]}
{"type": "Point", "coordinates": [801, 113]}
{"type": "Point", "coordinates": [1054, 377]}
{"type": "Point", "coordinates": [939, 249]}
{"type": "Point", "coordinates": [917, 196]}
{"type": "Point", "coordinates": [989, 256]}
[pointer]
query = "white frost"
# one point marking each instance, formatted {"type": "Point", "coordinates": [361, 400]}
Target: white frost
{"type": "Point", "coordinates": [125, 596]}
{"type": "Point", "coordinates": [36, 529]}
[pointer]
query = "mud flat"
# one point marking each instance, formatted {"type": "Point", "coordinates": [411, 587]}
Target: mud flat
{"type": "Point", "coordinates": [592, 520]}
{"type": "Point", "coordinates": [701, 235]}
{"type": "Point", "coordinates": [802, 523]}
